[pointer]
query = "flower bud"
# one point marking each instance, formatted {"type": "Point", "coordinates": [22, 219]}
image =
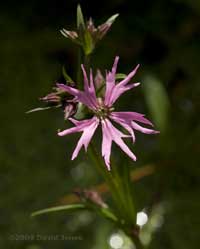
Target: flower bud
{"type": "Point", "coordinates": [99, 79]}
{"type": "Point", "coordinates": [92, 196]}
{"type": "Point", "coordinates": [69, 34]}
{"type": "Point", "coordinates": [87, 35]}
{"type": "Point", "coordinates": [70, 109]}
{"type": "Point", "coordinates": [51, 98]}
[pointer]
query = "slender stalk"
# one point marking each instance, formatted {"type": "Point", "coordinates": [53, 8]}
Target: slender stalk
{"type": "Point", "coordinates": [122, 173]}
{"type": "Point", "coordinates": [87, 62]}
{"type": "Point", "coordinates": [78, 74]}
{"type": "Point", "coordinates": [120, 190]}
{"type": "Point", "coordinates": [136, 241]}
{"type": "Point", "coordinates": [107, 175]}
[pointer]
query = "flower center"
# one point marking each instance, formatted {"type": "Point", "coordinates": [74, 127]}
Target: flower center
{"type": "Point", "coordinates": [103, 111]}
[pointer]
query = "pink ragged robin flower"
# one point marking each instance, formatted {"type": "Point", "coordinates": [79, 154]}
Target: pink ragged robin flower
{"type": "Point", "coordinates": [103, 114]}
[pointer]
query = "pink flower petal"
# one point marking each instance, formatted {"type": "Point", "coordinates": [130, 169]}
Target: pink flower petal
{"type": "Point", "coordinates": [88, 127]}
{"type": "Point", "coordinates": [110, 82]}
{"type": "Point", "coordinates": [131, 116]}
{"type": "Point", "coordinates": [113, 90]}
{"type": "Point", "coordinates": [80, 126]}
{"type": "Point", "coordinates": [106, 145]}
{"type": "Point", "coordinates": [89, 88]}
{"type": "Point", "coordinates": [129, 76]}
{"type": "Point", "coordinates": [92, 83]}
{"type": "Point", "coordinates": [118, 90]}
{"type": "Point", "coordinates": [86, 137]}
{"type": "Point", "coordinates": [79, 122]}
{"type": "Point", "coordinates": [110, 133]}
{"type": "Point", "coordinates": [124, 124]}
{"type": "Point", "coordinates": [126, 120]}
{"type": "Point", "coordinates": [86, 82]}
{"type": "Point", "coordinates": [84, 97]}
{"type": "Point", "coordinates": [142, 129]}
{"type": "Point", "coordinates": [70, 131]}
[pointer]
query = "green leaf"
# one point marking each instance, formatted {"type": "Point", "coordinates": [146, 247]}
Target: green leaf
{"type": "Point", "coordinates": [42, 109]}
{"type": "Point", "coordinates": [66, 76]}
{"type": "Point", "coordinates": [80, 18]}
{"type": "Point", "coordinates": [68, 208]}
{"type": "Point", "coordinates": [105, 212]}
{"type": "Point", "coordinates": [108, 214]}
{"type": "Point", "coordinates": [38, 109]}
{"type": "Point", "coordinates": [112, 19]}
{"type": "Point", "coordinates": [157, 101]}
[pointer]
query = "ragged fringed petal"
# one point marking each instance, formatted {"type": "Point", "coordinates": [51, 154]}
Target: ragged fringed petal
{"type": "Point", "coordinates": [84, 97]}
{"type": "Point", "coordinates": [88, 127]}
{"type": "Point", "coordinates": [80, 125]}
{"type": "Point", "coordinates": [132, 116]}
{"type": "Point", "coordinates": [86, 137]}
{"type": "Point", "coordinates": [129, 76]}
{"type": "Point", "coordinates": [80, 122]}
{"type": "Point", "coordinates": [118, 90]}
{"type": "Point", "coordinates": [110, 82]}
{"type": "Point", "coordinates": [142, 129]}
{"type": "Point", "coordinates": [110, 133]}
{"type": "Point", "coordinates": [126, 120]}
{"type": "Point", "coordinates": [89, 87]}
{"type": "Point", "coordinates": [113, 90]}
{"type": "Point", "coordinates": [126, 125]}
{"type": "Point", "coordinates": [106, 144]}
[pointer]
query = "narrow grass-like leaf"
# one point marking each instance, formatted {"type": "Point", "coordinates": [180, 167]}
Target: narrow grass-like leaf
{"type": "Point", "coordinates": [42, 109]}
{"type": "Point", "coordinates": [68, 208]}
{"type": "Point", "coordinates": [108, 214]}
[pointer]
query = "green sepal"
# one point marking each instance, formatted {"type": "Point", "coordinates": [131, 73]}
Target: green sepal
{"type": "Point", "coordinates": [88, 44]}
{"type": "Point", "coordinates": [112, 19]}
{"type": "Point", "coordinates": [66, 76]}
{"type": "Point", "coordinates": [80, 18]}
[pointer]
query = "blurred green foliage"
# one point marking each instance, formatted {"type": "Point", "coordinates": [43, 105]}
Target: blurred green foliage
{"type": "Point", "coordinates": [36, 171]}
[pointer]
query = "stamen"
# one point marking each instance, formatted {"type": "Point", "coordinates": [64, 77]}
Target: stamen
{"type": "Point", "coordinates": [102, 111]}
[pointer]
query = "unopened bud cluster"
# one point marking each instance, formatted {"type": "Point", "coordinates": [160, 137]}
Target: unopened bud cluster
{"type": "Point", "coordinates": [87, 35]}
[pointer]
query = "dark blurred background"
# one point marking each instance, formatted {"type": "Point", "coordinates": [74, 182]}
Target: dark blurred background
{"type": "Point", "coordinates": [36, 171]}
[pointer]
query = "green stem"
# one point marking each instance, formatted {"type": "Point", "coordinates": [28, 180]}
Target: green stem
{"type": "Point", "coordinates": [87, 62]}
{"type": "Point", "coordinates": [120, 190]}
{"type": "Point", "coordinates": [136, 241]}
{"type": "Point", "coordinates": [107, 175]}
{"type": "Point", "coordinates": [78, 75]}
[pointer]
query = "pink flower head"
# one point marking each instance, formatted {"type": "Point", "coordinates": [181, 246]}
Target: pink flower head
{"type": "Point", "coordinates": [103, 114]}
